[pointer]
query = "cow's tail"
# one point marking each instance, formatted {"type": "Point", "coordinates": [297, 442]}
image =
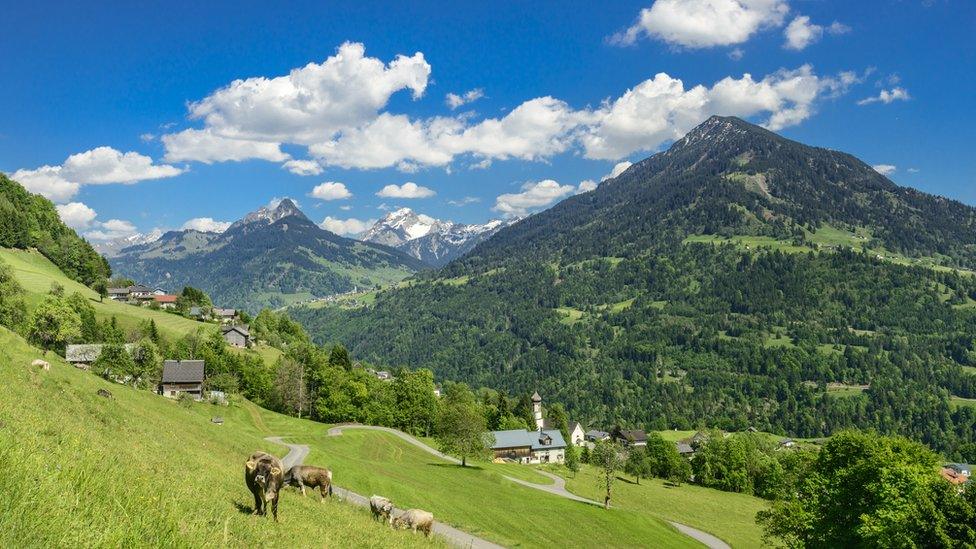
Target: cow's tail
{"type": "Point", "coordinates": [329, 476]}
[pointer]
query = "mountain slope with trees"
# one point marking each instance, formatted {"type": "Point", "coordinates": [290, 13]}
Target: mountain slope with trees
{"type": "Point", "coordinates": [738, 279]}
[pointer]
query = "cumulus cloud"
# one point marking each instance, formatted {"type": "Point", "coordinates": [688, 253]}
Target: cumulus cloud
{"type": "Point", "coordinates": [454, 100]}
{"type": "Point", "coordinates": [407, 190]}
{"type": "Point", "coordinates": [330, 190]}
{"type": "Point", "coordinates": [47, 182]}
{"type": "Point", "coordinates": [885, 169]}
{"type": "Point", "coordinates": [349, 226]}
{"type": "Point", "coordinates": [464, 201]}
{"type": "Point", "coordinates": [206, 225]}
{"type": "Point", "coordinates": [704, 23]}
{"type": "Point", "coordinates": [98, 166]}
{"type": "Point", "coordinates": [207, 147]}
{"type": "Point", "coordinates": [586, 185]}
{"type": "Point", "coordinates": [389, 140]}
{"type": "Point", "coordinates": [303, 167]}
{"type": "Point", "coordinates": [887, 96]}
{"type": "Point", "coordinates": [801, 32]}
{"type": "Point", "coordinates": [618, 168]}
{"type": "Point", "coordinates": [111, 230]}
{"type": "Point", "coordinates": [533, 196]}
{"type": "Point", "coordinates": [76, 215]}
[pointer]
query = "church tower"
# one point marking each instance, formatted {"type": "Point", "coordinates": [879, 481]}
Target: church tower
{"type": "Point", "coordinates": [537, 410]}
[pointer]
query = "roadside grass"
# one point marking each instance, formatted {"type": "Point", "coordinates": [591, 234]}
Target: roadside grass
{"type": "Point", "coordinates": [36, 274]}
{"type": "Point", "coordinates": [139, 470]}
{"type": "Point", "coordinates": [729, 516]}
{"type": "Point", "coordinates": [477, 499]}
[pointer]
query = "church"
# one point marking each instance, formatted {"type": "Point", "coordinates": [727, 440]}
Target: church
{"type": "Point", "coordinates": [522, 446]}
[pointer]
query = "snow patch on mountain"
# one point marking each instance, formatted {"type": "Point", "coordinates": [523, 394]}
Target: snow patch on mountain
{"type": "Point", "coordinates": [112, 248]}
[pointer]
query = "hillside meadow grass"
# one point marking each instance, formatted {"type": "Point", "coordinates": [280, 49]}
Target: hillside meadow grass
{"type": "Point", "coordinates": [36, 274]}
{"type": "Point", "coordinates": [139, 470]}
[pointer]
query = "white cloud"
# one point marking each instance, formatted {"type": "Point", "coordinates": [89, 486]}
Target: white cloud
{"type": "Point", "coordinates": [389, 140]}
{"type": "Point", "coordinates": [104, 165]}
{"type": "Point", "coordinates": [885, 169]}
{"type": "Point", "coordinates": [349, 226]}
{"type": "Point", "coordinates": [464, 201]}
{"type": "Point", "coordinates": [736, 54]}
{"type": "Point", "coordinates": [206, 225]}
{"type": "Point", "coordinates": [47, 182]}
{"type": "Point", "coordinates": [208, 147]}
{"type": "Point", "coordinates": [312, 102]}
{"type": "Point", "coordinates": [330, 190]}
{"type": "Point", "coordinates": [303, 167]}
{"type": "Point", "coordinates": [111, 230]}
{"type": "Point", "coordinates": [913, 170]}
{"type": "Point", "coordinates": [704, 23]}
{"type": "Point", "coordinates": [407, 190]}
{"type": "Point", "coordinates": [618, 168]}
{"type": "Point", "coordinates": [147, 137]}
{"type": "Point", "coordinates": [533, 196]}
{"type": "Point", "coordinates": [887, 96]}
{"type": "Point", "coordinates": [586, 185]}
{"type": "Point", "coordinates": [76, 215]}
{"type": "Point", "coordinates": [454, 100]}
{"type": "Point", "coordinates": [800, 33]}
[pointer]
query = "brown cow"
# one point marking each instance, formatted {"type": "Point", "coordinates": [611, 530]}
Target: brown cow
{"type": "Point", "coordinates": [264, 478]}
{"type": "Point", "coordinates": [415, 519]}
{"type": "Point", "coordinates": [381, 508]}
{"type": "Point", "coordinates": [301, 476]}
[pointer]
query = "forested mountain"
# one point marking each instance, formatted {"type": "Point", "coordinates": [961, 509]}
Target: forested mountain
{"type": "Point", "coordinates": [738, 279]}
{"type": "Point", "coordinates": [31, 221]}
{"type": "Point", "coordinates": [270, 258]}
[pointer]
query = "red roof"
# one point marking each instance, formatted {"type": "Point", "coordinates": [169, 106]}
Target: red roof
{"type": "Point", "coordinates": [952, 476]}
{"type": "Point", "coordinates": [165, 298]}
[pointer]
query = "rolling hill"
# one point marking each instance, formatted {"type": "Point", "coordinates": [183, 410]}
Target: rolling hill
{"type": "Point", "coordinates": [730, 280]}
{"type": "Point", "coordinates": [270, 258]}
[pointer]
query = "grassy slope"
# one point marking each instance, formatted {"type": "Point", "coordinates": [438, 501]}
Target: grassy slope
{"type": "Point", "coordinates": [139, 470]}
{"type": "Point", "coordinates": [35, 273]}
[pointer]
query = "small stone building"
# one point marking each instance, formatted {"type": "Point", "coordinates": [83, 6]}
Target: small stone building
{"type": "Point", "coordinates": [182, 376]}
{"type": "Point", "coordinates": [236, 336]}
{"type": "Point", "coordinates": [84, 355]}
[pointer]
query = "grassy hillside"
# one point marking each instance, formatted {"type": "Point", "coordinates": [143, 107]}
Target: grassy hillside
{"type": "Point", "coordinates": [36, 274]}
{"type": "Point", "coordinates": [137, 470]}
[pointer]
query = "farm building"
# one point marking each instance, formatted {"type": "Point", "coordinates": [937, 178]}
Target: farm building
{"type": "Point", "coordinates": [545, 446]}
{"type": "Point", "coordinates": [182, 376]}
{"type": "Point", "coordinates": [630, 437]}
{"type": "Point", "coordinates": [82, 356]}
{"type": "Point", "coordinates": [236, 336]}
{"type": "Point", "coordinates": [165, 301]}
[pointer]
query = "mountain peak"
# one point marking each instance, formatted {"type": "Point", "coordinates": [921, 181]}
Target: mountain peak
{"type": "Point", "coordinates": [275, 210]}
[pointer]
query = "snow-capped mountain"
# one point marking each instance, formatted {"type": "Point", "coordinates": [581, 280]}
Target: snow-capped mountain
{"type": "Point", "coordinates": [433, 241]}
{"type": "Point", "coordinates": [266, 215]}
{"type": "Point", "coordinates": [112, 248]}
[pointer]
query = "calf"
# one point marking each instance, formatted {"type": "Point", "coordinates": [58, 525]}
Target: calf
{"type": "Point", "coordinates": [415, 519]}
{"type": "Point", "coordinates": [264, 478]}
{"type": "Point", "coordinates": [381, 508]}
{"type": "Point", "coordinates": [301, 476]}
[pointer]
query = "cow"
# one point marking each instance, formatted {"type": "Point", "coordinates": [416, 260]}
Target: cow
{"type": "Point", "coordinates": [415, 519]}
{"type": "Point", "coordinates": [301, 476]}
{"type": "Point", "coordinates": [264, 478]}
{"type": "Point", "coordinates": [381, 508]}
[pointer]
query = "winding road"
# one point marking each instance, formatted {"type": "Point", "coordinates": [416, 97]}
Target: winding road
{"type": "Point", "coordinates": [458, 537]}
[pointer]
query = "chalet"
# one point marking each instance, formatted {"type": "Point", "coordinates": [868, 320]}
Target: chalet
{"type": "Point", "coordinates": [83, 356]}
{"type": "Point", "coordinates": [140, 292]}
{"type": "Point", "coordinates": [182, 376]}
{"type": "Point", "coordinates": [236, 336]}
{"type": "Point", "coordinates": [545, 446]}
{"type": "Point", "coordinates": [118, 294]}
{"type": "Point", "coordinates": [224, 315]}
{"type": "Point", "coordinates": [576, 435]}
{"type": "Point", "coordinates": [630, 437]}
{"type": "Point", "coordinates": [165, 301]}
{"type": "Point", "coordinates": [596, 436]}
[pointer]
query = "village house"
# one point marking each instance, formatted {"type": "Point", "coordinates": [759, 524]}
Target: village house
{"type": "Point", "coordinates": [84, 355]}
{"type": "Point", "coordinates": [236, 336]}
{"type": "Point", "coordinates": [576, 435]}
{"type": "Point", "coordinates": [165, 301]}
{"type": "Point", "coordinates": [140, 292]}
{"type": "Point", "coordinates": [684, 449]}
{"type": "Point", "coordinates": [630, 437]}
{"type": "Point", "coordinates": [546, 446]}
{"type": "Point", "coordinates": [118, 294]}
{"type": "Point", "coordinates": [596, 436]}
{"type": "Point", "coordinates": [182, 376]}
{"type": "Point", "coordinates": [224, 315]}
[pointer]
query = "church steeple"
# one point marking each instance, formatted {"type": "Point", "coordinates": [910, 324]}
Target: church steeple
{"type": "Point", "coordinates": [537, 410]}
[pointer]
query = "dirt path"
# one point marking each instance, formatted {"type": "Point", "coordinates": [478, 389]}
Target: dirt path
{"type": "Point", "coordinates": [459, 538]}
{"type": "Point", "coordinates": [557, 488]}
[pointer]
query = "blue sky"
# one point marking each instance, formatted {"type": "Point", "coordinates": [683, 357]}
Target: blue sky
{"type": "Point", "coordinates": [133, 118]}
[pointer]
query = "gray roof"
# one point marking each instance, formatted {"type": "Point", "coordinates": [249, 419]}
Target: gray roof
{"type": "Point", "coordinates": [633, 435]}
{"type": "Point", "coordinates": [183, 371]}
{"type": "Point", "coordinates": [520, 438]}
{"type": "Point", "coordinates": [593, 433]}
{"type": "Point", "coordinates": [240, 329]}
{"type": "Point", "coordinates": [573, 425]}
{"type": "Point", "coordinates": [224, 312]}
{"type": "Point", "coordinates": [120, 291]}
{"type": "Point", "coordinates": [88, 353]}
{"type": "Point", "coordinates": [684, 448]}
{"type": "Point", "coordinates": [140, 288]}
{"type": "Point", "coordinates": [536, 397]}
{"type": "Point", "coordinates": [196, 311]}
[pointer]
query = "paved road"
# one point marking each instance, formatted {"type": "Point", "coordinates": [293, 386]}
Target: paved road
{"type": "Point", "coordinates": [296, 456]}
{"type": "Point", "coordinates": [558, 487]}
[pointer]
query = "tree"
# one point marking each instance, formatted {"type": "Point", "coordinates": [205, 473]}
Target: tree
{"type": "Point", "coordinates": [869, 490]}
{"type": "Point", "coordinates": [461, 427]}
{"type": "Point", "coordinates": [416, 405]}
{"type": "Point", "coordinates": [339, 357]}
{"type": "Point", "coordinates": [573, 458]}
{"type": "Point", "coordinates": [54, 324]}
{"type": "Point", "coordinates": [558, 418]}
{"type": "Point", "coordinates": [114, 363]}
{"type": "Point", "coordinates": [101, 287]}
{"type": "Point", "coordinates": [638, 464]}
{"type": "Point", "coordinates": [665, 461]}
{"type": "Point", "coordinates": [90, 332]}
{"type": "Point", "coordinates": [289, 386]}
{"type": "Point", "coordinates": [13, 305]}
{"type": "Point", "coordinates": [606, 457]}
{"type": "Point", "coordinates": [148, 364]}
{"type": "Point", "coordinates": [585, 455]}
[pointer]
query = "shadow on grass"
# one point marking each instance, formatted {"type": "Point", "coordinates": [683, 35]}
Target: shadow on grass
{"type": "Point", "coordinates": [243, 508]}
{"type": "Point", "coordinates": [457, 466]}
{"type": "Point", "coordinates": [627, 480]}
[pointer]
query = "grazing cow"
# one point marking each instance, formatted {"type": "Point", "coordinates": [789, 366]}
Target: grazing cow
{"type": "Point", "coordinates": [264, 478]}
{"type": "Point", "coordinates": [381, 508]}
{"type": "Point", "coordinates": [415, 519]}
{"type": "Point", "coordinates": [301, 476]}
